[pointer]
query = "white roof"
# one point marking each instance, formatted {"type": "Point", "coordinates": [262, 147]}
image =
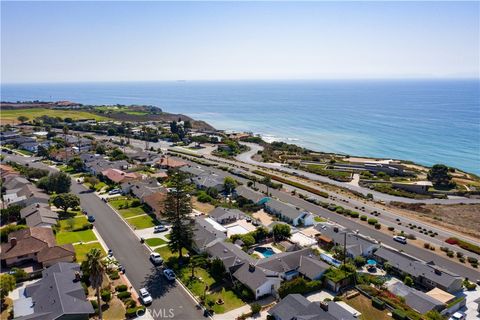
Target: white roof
{"type": "Point", "coordinates": [302, 239]}
{"type": "Point", "coordinates": [216, 225]}
{"type": "Point", "coordinates": [351, 310]}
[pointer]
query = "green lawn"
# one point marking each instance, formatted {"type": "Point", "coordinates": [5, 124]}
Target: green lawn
{"type": "Point", "coordinates": [99, 186]}
{"type": "Point", "coordinates": [231, 301]}
{"type": "Point", "coordinates": [118, 202]}
{"type": "Point", "coordinates": [153, 242]}
{"type": "Point", "coordinates": [319, 219]}
{"type": "Point", "coordinates": [77, 236]}
{"type": "Point", "coordinates": [78, 222]}
{"type": "Point", "coordinates": [131, 212]}
{"type": "Point", "coordinates": [166, 253]}
{"type": "Point", "coordinates": [82, 249]}
{"type": "Point", "coordinates": [142, 222]}
{"type": "Point", "coordinates": [25, 152]}
{"type": "Point", "coordinates": [12, 115]}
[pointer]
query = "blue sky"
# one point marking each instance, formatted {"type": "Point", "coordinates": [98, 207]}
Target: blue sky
{"type": "Point", "coordinates": [130, 41]}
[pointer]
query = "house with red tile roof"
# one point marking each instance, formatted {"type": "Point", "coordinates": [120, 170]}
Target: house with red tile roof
{"type": "Point", "coordinates": [119, 176]}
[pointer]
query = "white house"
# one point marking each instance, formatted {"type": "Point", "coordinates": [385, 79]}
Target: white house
{"type": "Point", "coordinates": [289, 213]}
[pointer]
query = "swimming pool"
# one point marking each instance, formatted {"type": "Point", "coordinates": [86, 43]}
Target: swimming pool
{"type": "Point", "coordinates": [371, 262]}
{"type": "Point", "coordinates": [267, 252]}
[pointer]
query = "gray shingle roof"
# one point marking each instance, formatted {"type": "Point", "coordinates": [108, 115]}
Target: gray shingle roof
{"type": "Point", "coordinates": [312, 267]}
{"type": "Point", "coordinates": [204, 233]}
{"type": "Point", "coordinates": [220, 213]}
{"type": "Point", "coordinates": [230, 254]}
{"type": "Point", "coordinates": [417, 300]}
{"type": "Point", "coordinates": [252, 276]}
{"type": "Point", "coordinates": [284, 209]}
{"type": "Point", "coordinates": [249, 194]}
{"type": "Point", "coordinates": [57, 293]}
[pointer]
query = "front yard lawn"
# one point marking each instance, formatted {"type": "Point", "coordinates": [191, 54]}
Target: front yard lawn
{"type": "Point", "coordinates": [78, 222]}
{"type": "Point", "coordinates": [81, 250]}
{"type": "Point", "coordinates": [131, 212]}
{"type": "Point", "coordinates": [25, 152]}
{"type": "Point", "coordinates": [142, 222]}
{"type": "Point", "coordinates": [230, 299]}
{"type": "Point", "coordinates": [154, 242]}
{"type": "Point", "coordinates": [118, 202]}
{"type": "Point", "coordinates": [77, 236]}
{"type": "Point", "coordinates": [166, 253]}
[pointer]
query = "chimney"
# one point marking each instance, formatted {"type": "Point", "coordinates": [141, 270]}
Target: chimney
{"type": "Point", "coordinates": [13, 241]}
{"type": "Point", "coordinates": [38, 205]}
{"type": "Point", "coordinates": [251, 267]}
{"type": "Point", "coordinates": [77, 277]}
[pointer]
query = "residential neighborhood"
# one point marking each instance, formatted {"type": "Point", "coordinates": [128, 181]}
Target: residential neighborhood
{"type": "Point", "coordinates": [245, 252]}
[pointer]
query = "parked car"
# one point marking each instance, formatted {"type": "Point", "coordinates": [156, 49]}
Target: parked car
{"type": "Point", "coordinates": [156, 258]}
{"type": "Point", "coordinates": [159, 228]}
{"type": "Point", "coordinates": [458, 316]}
{"type": "Point", "coordinates": [114, 191]}
{"type": "Point", "coordinates": [91, 219]}
{"type": "Point", "coordinates": [110, 252]}
{"type": "Point", "coordinates": [145, 297]}
{"type": "Point", "coordinates": [400, 239]}
{"type": "Point", "coordinates": [169, 274]}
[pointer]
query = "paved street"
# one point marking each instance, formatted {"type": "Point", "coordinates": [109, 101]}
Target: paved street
{"type": "Point", "coordinates": [132, 255]}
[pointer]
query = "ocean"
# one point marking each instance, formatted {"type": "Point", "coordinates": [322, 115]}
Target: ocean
{"type": "Point", "coordinates": [426, 121]}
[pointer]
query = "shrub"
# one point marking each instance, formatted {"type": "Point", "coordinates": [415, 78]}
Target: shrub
{"type": "Point", "coordinates": [372, 221]}
{"type": "Point", "coordinates": [298, 285]}
{"type": "Point", "coordinates": [378, 226]}
{"type": "Point", "coordinates": [129, 303]}
{"type": "Point", "coordinates": [337, 298]}
{"type": "Point", "coordinates": [459, 254]}
{"type": "Point", "coordinates": [121, 288]}
{"type": "Point", "coordinates": [391, 228]}
{"type": "Point", "coordinates": [472, 260]}
{"type": "Point", "coordinates": [377, 303]}
{"type": "Point", "coordinates": [462, 260]}
{"type": "Point", "coordinates": [399, 314]}
{"type": "Point", "coordinates": [256, 308]}
{"type": "Point", "coordinates": [106, 295]}
{"type": "Point", "coordinates": [450, 254]}
{"type": "Point", "coordinates": [354, 214]}
{"type": "Point", "coordinates": [426, 245]}
{"type": "Point", "coordinates": [363, 218]}
{"type": "Point", "coordinates": [124, 295]}
{"type": "Point", "coordinates": [135, 203]}
{"type": "Point", "coordinates": [114, 275]}
{"type": "Point", "coordinates": [132, 312]}
{"type": "Point", "coordinates": [411, 236]}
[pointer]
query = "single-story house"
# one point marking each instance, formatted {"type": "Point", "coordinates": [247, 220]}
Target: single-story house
{"type": "Point", "coordinates": [34, 244]}
{"type": "Point", "coordinates": [427, 275]}
{"type": "Point", "coordinates": [156, 201]}
{"type": "Point", "coordinates": [356, 244]}
{"type": "Point", "coordinates": [225, 215]}
{"type": "Point", "coordinates": [251, 195]}
{"type": "Point", "coordinates": [415, 299]}
{"type": "Point", "coordinates": [170, 163]}
{"type": "Point", "coordinates": [296, 306]}
{"type": "Point", "coordinates": [119, 176]}
{"type": "Point", "coordinates": [289, 213]}
{"type": "Point", "coordinates": [142, 188]}
{"type": "Point", "coordinates": [39, 215]}
{"type": "Point", "coordinates": [205, 233]}
{"type": "Point", "coordinates": [58, 295]}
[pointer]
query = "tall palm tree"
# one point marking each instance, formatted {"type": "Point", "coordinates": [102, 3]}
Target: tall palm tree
{"type": "Point", "coordinates": [96, 270]}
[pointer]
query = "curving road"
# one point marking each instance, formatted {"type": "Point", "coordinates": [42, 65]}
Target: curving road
{"type": "Point", "coordinates": [254, 148]}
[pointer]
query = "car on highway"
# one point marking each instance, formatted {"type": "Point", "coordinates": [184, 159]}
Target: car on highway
{"type": "Point", "coordinates": [91, 219]}
{"type": "Point", "coordinates": [169, 274]}
{"type": "Point", "coordinates": [145, 296]}
{"type": "Point", "coordinates": [156, 258]}
{"type": "Point", "coordinates": [159, 228]}
{"type": "Point", "coordinates": [400, 239]}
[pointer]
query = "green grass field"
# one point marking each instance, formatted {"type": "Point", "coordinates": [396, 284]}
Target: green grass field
{"type": "Point", "coordinates": [77, 236]}
{"type": "Point", "coordinates": [142, 222]}
{"type": "Point", "coordinates": [153, 242]}
{"type": "Point", "coordinates": [12, 115]}
{"type": "Point", "coordinates": [82, 249]}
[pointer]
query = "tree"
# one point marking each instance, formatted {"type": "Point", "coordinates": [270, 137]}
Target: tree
{"type": "Point", "coordinates": [43, 152]}
{"type": "Point", "coordinates": [256, 308]}
{"type": "Point", "coordinates": [91, 181]}
{"type": "Point", "coordinates": [101, 149]}
{"type": "Point", "coordinates": [58, 182]}
{"type": "Point", "coordinates": [196, 261]}
{"type": "Point", "coordinates": [212, 192]}
{"type": "Point", "coordinates": [408, 281]}
{"type": "Point", "coordinates": [7, 284]}
{"type": "Point", "coordinates": [178, 207]}
{"type": "Point", "coordinates": [65, 201]}
{"type": "Point", "coordinates": [96, 271]}
{"type": "Point", "coordinates": [10, 214]}
{"type": "Point", "coordinates": [22, 119]}
{"type": "Point", "coordinates": [217, 269]}
{"type": "Point", "coordinates": [281, 231]}
{"type": "Point", "coordinates": [359, 261]}
{"type": "Point", "coordinates": [248, 240]}
{"type": "Point", "coordinates": [229, 184]}
{"type": "Point", "coordinates": [433, 315]}
{"type": "Point", "coordinates": [65, 132]}
{"type": "Point", "coordinates": [439, 176]}
{"type": "Point", "coordinates": [76, 164]}
{"type": "Point", "coordinates": [267, 181]}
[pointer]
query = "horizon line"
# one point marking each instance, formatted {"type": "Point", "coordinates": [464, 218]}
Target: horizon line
{"type": "Point", "coordinates": [244, 80]}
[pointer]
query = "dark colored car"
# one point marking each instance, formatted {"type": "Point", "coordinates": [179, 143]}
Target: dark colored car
{"type": "Point", "coordinates": [91, 219]}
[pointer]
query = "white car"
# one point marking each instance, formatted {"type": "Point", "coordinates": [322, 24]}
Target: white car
{"type": "Point", "coordinates": [169, 274]}
{"type": "Point", "coordinates": [145, 297]}
{"type": "Point", "coordinates": [156, 258]}
{"type": "Point", "coordinates": [458, 316]}
{"type": "Point", "coordinates": [159, 228]}
{"type": "Point", "coordinates": [114, 191]}
{"type": "Point", "coordinates": [400, 239]}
